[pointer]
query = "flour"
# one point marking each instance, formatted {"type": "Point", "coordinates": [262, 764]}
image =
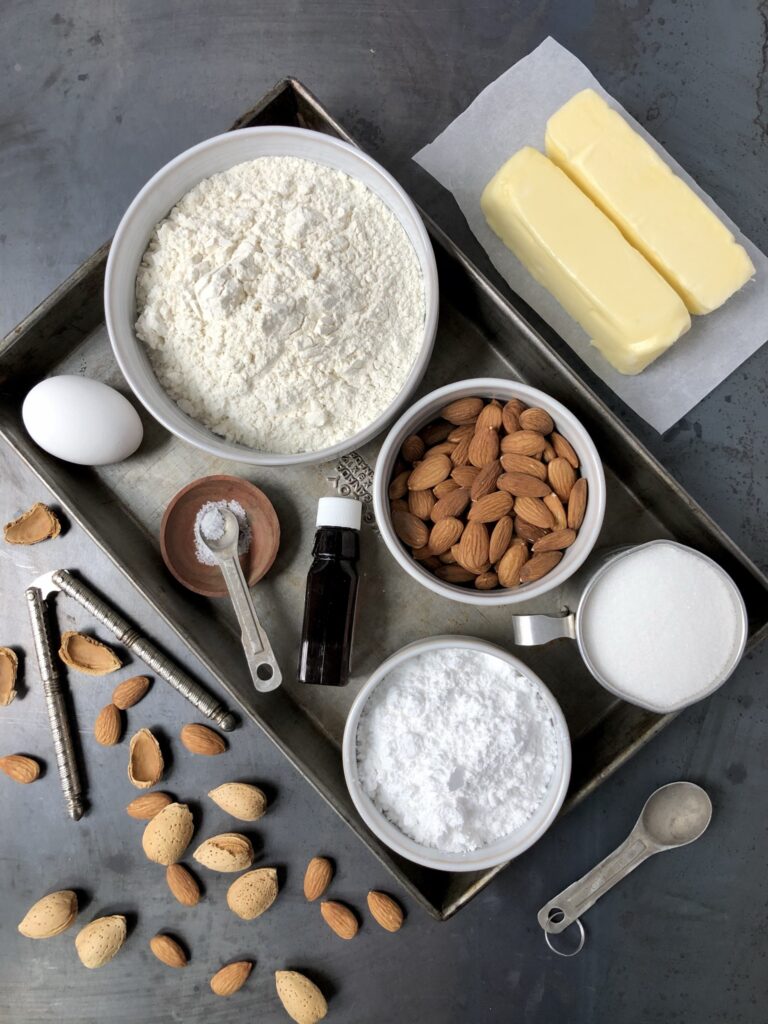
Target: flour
{"type": "Point", "coordinates": [282, 304]}
{"type": "Point", "coordinates": [209, 523]}
{"type": "Point", "coordinates": [456, 749]}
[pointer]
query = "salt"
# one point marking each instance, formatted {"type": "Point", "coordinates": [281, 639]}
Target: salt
{"type": "Point", "coordinates": [662, 626]}
{"type": "Point", "coordinates": [209, 522]}
{"type": "Point", "coordinates": [456, 749]}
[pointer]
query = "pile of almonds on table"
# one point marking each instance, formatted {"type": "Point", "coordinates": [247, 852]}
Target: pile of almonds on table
{"type": "Point", "coordinates": [488, 495]}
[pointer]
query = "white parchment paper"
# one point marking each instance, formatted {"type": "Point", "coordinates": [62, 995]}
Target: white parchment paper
{"type": "Point", "coordinates": [512, 112]}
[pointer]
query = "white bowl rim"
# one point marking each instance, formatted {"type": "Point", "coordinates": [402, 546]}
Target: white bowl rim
{"type": "Point", "coordinates": [167, 412]}
{"type": "Point", "coordinates": [503, 850]}
{"type": "Point", "coordinates": [574, 431]}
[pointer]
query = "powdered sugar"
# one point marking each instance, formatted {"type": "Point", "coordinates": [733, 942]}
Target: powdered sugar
{"type": "Point", "coordinates": [209, 522]}
{"type": "Point", "coordinates": [456, 749]}
{"type": "Point", "coordinates": [282, 304]}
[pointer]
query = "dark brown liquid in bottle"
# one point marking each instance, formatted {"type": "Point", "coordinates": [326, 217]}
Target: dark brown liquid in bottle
{"type": "Point", "coordinates": [329, 607]}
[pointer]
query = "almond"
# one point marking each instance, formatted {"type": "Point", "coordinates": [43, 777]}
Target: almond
{"type": "Point", "coordinates": [429, 473]}
{"type": "Point", "coordinates": [108, 727]}
{"type": "Point", "coordinates": [463, 433]}
{"type": "Point", "coordinates": [491, 507]}
{"type": "Point", "coordinates": [453, 504]}
{"type": "Point", "coordinates": [539, 565]}
{"type": "Point", "coordinates": [464, 476]}
{"type": "Point", "coordinates": [411, 531]}
{"type": "Point", "coordinates": [486, 580]}
{"type": "Point", "coordinates": [241, 800]}
{"type": "Point", "coordinates": [445, 533]}
{"type": "Point", "coordinates": [386, 911]}
{"type": "Point", "coordinates": [527, 531]}
{"type": "Point", "coordinates": [501, 538]}
{"type": "Point", "coordinates": [9, 666]}
{"type": "Point", "coordinates": [413, 448]}
{"type": "Point", "coordinates": [555, 506]}
{"type": "Point", "coordinates": [20, 768]}
{"type": "Point", "coordinates": [33, 526]}
{"type": "Point", "coordinates": [398, 505]}
{"type": "Point", "coordinates": [230, 979]}
{"type": "Point", "coordinates": [87, 655]}
{"type": "Point", "coordinates": [168, 834]}
{"type": "Point", "coordinates": [511, 563]}
{"type": "Point", "coordinates": [100, 940]}
{"type": "Point", "coordinates": [398, 486]}
{"type": "Point", "coordinates": [512, 463]}
{"type": "Point", "coordinates": [200, 739]}
{"type": "Point", "coordinates": [446, 558]}
{"type": "Point", "coordinates": [549, 453]}
{"type": "Point", "coordinates": [463, 410]}
{"type": "Point", "coordinates": [50, 916]}
{"type": "Point", "coordinates": [555, 541]}
{"type": "Point", "coordinates": [562, 477]}
{"type": "Point", "coordinates": [490, 418]}
{"type": "Point", "coordinates": [317, 878]}
{"type": "Point", "coordinates": [460, 454]}
{"type": "Point", "coordinates": [229, 851]}
{"type": "Point", "coordinates": [454, 574]}
{"type": "Point", "coordinates": [130, 692]}
{"type": "Point", "coordinates": [564, 449]}
{"type": "Point", "coordinates": [339, 919]}
{"type": "Point", "coordinates": [445, 487]}
{"type": "Point", "coordinates": [444, 448]}
{"type": "Point", "coordinates": [183, 885]}
{"type": "Point", "coordinates": [473, 547]}
{"type": "Point", "coordinates": [145, 760]}
{"type": "Point", "coordinates": [537, 420]}
{"type": "Point", "coordinates": [523, 442]}
{"type": "Point", "coordinates": [534, 511]}
{"type": "Point", "coordinates": [436, 432]}
{"type": "Point", "coordinates": [147, 805]}
{"type": "Point", "coordinates": [522, 485]}
{"type": "Point", "coordinates": [577, 503]}
{"type": "Point", "coordinates": [301, 998]}
{"type": "Point", "coordinates": [484, 447]}
{"type": "Point", "coordinates": [168, 951]}
{"type": "Point", "coordinates": [510, 415]}
{"type": "Point", "coordinates": [422, 554]}
{"type": "Point", "coordinates": [421, 503]}
{"type": "Point", "coordinates": [253, 893]}
{"type": "Point", "coordinates": [485, 481]}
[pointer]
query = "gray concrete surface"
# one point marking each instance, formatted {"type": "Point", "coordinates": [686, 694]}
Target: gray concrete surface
{"type": "Point", "coordinates": [95, 97]}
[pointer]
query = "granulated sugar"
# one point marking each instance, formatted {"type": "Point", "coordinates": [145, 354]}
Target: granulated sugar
{"type": "Point", "coordinates": [661, 625]}
{"type": "Point", "coordinates": [456, 749]}
{"type": "Point", "coordinates": [210, 522]}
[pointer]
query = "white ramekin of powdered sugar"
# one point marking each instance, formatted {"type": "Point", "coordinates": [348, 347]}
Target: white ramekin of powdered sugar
{"type": "Point", "coordinates": [456, 755]}
{"type": "Point", "coordinates": [271, 296]}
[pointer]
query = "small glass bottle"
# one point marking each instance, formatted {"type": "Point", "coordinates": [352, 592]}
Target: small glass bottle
{"type": "Point", "coordinates": [329, 605]}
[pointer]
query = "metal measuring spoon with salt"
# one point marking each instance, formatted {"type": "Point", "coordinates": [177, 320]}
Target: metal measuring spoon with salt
{"type": "Point", "coordinates": [220, 532]}
{"type": "Point", "coordinates": [674, 815]}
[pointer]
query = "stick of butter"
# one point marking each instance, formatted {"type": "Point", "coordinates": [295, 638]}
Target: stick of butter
{"type": "Point", "coordinates": [657, 212]}
{"type": "Point", "coordinates": [627, 308]}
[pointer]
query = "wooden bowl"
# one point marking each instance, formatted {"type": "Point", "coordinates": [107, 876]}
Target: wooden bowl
{"type": "Point", "coordinates": [177, 533]}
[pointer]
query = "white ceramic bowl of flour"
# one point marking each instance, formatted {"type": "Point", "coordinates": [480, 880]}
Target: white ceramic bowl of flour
{"type": "Point", "coordinates": [153, 204]}
{"type": "Point", "coordinates": [455, 743]}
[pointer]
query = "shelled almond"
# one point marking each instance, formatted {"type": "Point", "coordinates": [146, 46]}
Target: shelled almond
{"type": "Point", "coordinates": [489, 495]}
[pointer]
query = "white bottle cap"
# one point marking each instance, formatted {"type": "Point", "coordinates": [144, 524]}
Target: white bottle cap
{"type": "Point", "coordinates": [339, 512]}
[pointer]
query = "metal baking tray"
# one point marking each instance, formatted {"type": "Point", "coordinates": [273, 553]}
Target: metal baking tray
{"type": "Point", "coordinates": [480, 334]}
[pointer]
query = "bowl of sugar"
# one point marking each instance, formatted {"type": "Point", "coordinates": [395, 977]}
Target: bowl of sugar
{"type": "Point", "coordinates": [456, 755]}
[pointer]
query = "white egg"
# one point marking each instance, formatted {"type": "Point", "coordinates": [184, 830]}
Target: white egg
{"type": "Point", "coordinates": [81, 420]}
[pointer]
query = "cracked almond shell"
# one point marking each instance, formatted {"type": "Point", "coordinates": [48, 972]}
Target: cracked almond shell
{"type": "Point", "coordinates": [253, 893]}
{"type": "Point", "coordinates": [302, 999]}
{"type": "Point", "coordinates": [33, 526]}
{"type": "Point", "coordinates": [168, 834]}
{"type": "Point", "coordinates": [50, 916]}
{"type": "Point", "coordinates": [241, 800]}
{"type": "Point", "coordinates": [88, 655]}
{"type": "Point", "coordinates": [226, 852]}
{"type": "Point", "coordinates": [100, 940]}
{"type": "Point", "coordinates": [9, 667]}
{"type": "Point", "coordinates": [145, 760]}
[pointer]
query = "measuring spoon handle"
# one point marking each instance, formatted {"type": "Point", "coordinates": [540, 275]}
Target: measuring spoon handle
{"type": "Point", "coordinates": [574, 901]}
{"type": "Point", "coordinates": [533, 630]}
{"type": "Point", "coordinates": [265, 672]}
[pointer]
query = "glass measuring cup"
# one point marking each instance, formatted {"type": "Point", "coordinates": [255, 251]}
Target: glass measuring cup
{"type": "Point", "coordinates": [531, 630]}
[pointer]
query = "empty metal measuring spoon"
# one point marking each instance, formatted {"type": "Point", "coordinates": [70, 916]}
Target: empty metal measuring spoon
{"type": "Point", "coordinates": [675, 815]}
{"type": "Point", "coordinates": [264, 669]}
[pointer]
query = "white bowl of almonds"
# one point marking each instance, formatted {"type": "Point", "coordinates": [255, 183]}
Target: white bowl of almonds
{"type": "Point", "coordinates": [489, 492]}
